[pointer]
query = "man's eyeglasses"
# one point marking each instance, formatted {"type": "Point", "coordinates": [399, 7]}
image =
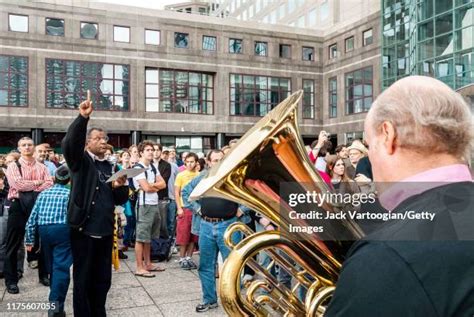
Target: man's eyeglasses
{"type": "Point", "coordinates": [97, 139]}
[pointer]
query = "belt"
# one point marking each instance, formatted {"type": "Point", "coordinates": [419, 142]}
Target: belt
{"type": "Point", "coordinates": [209, 219]}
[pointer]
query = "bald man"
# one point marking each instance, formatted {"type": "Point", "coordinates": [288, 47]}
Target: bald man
{"type": "Point", "coordinates": [42, 155]}
{"type": "Point", "coordinates": [418, 131]}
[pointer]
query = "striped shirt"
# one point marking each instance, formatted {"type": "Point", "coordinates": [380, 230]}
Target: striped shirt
{"type": "Point", "coordinates": [50, 208]}
{"type": "Point", "coordinates": [26, 181]}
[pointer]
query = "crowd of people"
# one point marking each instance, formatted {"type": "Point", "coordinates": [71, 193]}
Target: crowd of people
{"type": "Point", "coordinates": [62, 225]}
{"type": "Point", "coordinates": [156, 206]}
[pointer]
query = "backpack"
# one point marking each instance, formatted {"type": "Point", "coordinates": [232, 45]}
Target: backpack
{"type": "Point", "coordinates": [161, 249]}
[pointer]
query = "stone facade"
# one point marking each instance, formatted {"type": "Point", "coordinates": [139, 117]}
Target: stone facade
{"type": "Point", "coordinates": [38, 46]}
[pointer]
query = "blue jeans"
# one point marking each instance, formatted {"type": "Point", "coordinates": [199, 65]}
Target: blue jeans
{"type": "Point", "coordinates": [211, 242]}
{"type": "Point", "coordinates": [171, 217]}
{"type": "Point", "coordinates": [56, 245]}
{"type": "Point", "coordinates": [129, 230]}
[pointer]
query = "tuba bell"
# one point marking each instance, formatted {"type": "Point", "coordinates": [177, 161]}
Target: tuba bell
{"type": "Point", "coordinates": [253, 173]}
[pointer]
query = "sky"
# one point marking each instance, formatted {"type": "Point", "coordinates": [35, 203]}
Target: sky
{"type": "Point", "coordinates": [152, 4]}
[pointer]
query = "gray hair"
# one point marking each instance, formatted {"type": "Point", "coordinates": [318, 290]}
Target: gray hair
{"type": "Point", "coordinates": [428, 116]}
{"type": "Point", "coordinates": [92, 129]}
{"type": "Point", "coordinates": [25, 138]}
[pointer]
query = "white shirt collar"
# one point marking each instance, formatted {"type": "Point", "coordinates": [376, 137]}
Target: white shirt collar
{"type": "Point", "coordinates": [95, 157]}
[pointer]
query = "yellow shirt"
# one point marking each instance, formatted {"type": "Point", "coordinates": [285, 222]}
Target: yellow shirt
{"type": "Point", "coordinates": [182, 179]}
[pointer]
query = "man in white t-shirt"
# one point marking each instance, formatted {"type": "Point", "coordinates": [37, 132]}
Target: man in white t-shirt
{"type": "Point", "coordinates": [148, 184]}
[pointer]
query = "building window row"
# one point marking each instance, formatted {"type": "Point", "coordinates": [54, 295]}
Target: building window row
{"type": "Point", "coordinates": [122, 34]}
{"type": "Point", "coordinates": [166, 90]}
{"type": "Point", "coordinates": [349, 44]}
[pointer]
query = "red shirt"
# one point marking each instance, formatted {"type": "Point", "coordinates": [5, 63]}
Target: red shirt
{"type": "Point", "coordinates": [30, 172]}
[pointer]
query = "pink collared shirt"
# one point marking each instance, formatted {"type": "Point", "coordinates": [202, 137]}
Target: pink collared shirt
{"type": "Point", "coordinates": [31, 171]}
{"type": "Point", "coordinates": [422, 182]}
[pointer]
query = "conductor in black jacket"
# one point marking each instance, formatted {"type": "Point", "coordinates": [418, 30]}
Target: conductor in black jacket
{"type": "Point", "coordinates": [418, 132]}
{"type": "Point", "coordinates": [91, 212]}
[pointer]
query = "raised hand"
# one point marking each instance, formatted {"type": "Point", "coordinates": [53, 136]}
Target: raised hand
{"type": "Point", "coordinates": [85, 108]}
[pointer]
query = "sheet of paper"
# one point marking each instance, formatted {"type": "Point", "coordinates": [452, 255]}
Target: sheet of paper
{"type": "Point", "coordinates": [129, 172]}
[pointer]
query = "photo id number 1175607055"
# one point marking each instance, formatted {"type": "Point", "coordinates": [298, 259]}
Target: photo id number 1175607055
{"type": "Point", "coordinates": [28, 306]}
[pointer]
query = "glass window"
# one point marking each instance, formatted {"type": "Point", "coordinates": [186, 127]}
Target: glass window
{"type": "Point", "coordinates": [444, 24]}
{"type": "Point", "coordinates": [442, 6]}
{"type": "Point", "coordinates": [18, 23]}
{"type": "Point", "coordinates": [291, 6]}
{"type": "Point", "coordinates": [465, 38]}
{"type": "Point", "coordinates": [209, 43]}
{"type": "Point", "coordinates": [282, 10]}
{"type": "Point", "coordinates": [89, 30]}
{"type": "Point", "coordinates": [54, 27]}
{"type": "Point", "coordinates": [308, 99]}
{"type": "Point", "coordinates": [122, 34]}
{"type": "Point", "coordinates": [261, 48]}
{"type": "Point", "coordinates": [444, 44]}
{"type": "Point", "coordinates": [349, 44]}
{"type": "Point", "coordinates": [178, 91]}
{"type": "Point", "coordinates": [181, 40]}
{"type": "Point", "coordinates": [333, 51]}
{"type": "Point", "coordinates": [285, 51]}
{"type": "Point", "coordinates": [256, 95]}
{"type": "Point", "coordinates": [301, 22]}
{"type": "Point", "coordinates": [324, 12]}
{"type": "Point", "coordinates": [351, 136]}
{"type": "Point", "coordinates": [308, 53]}
{"type": "Point", "coordinates": [367, 38]}
{"type": "Point", "coordinates": [425, 30]}
{"type": "Point", "coordinates": [359, 92]}
{"type": "Point", "coordinates": [425, 49]}
{"type": "Point", "coordinates": [235, 46]}
{"type": "Point", "coordinates": [13, 81]}
{"type": "Point", "coordinates": [152, 37]}
{"type": "Point", "coordinates": [333, 97]}
{"type": "Point", "coordinates": [425, 10]}
{"type": "Point", "coordinates": [464, 16]}
{"type": "Point", "coordinates": [444, 68]}
{"type": "Point", "coordinates": [67, 83]}
{"type": "Point", "coordinates": [312, 17]}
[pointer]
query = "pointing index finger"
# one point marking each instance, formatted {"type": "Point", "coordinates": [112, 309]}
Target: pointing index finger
{"type": "Point", "coordinates": [88, 95]}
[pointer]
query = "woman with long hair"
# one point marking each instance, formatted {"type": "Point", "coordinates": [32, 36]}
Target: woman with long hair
{"type": "Point", "coordinates": [342, 184]}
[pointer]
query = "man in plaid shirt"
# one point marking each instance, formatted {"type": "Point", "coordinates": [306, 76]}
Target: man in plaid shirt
{"type": "Point", "coordinates": [27, 178]}
{"type": "Point", "coordinates": [49, 216]}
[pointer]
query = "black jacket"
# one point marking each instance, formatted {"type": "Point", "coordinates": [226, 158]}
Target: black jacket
{"type": "Point", "coordinates": [84, 176]}
{"type": "Point", "coordinates": [415, 267]}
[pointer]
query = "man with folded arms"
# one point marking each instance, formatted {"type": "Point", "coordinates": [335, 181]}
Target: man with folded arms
{"type": "Point", "coordinates": [27, 178]}
{"type": "Point", "coordinates": [148, 213]}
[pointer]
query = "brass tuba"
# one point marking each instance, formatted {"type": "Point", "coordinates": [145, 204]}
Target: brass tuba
{"type": "Point", "coordinates": [270, 154]}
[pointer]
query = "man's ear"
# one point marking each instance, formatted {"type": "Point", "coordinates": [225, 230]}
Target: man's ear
{"type": "Point", "coordinates": [389, 135]}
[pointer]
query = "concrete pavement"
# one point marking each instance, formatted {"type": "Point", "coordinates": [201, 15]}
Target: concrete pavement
{"type": "Point", "coordinates": [172, 293]}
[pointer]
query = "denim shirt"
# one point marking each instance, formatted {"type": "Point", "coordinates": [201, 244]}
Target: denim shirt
{"type": "Point", "coordinates": [195, 206]}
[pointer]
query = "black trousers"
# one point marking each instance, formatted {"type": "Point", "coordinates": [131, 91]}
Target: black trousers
{"type": "Point", "coordinates": [92, 273]}
{"type": "Point", "coordinates": [17, 219]}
